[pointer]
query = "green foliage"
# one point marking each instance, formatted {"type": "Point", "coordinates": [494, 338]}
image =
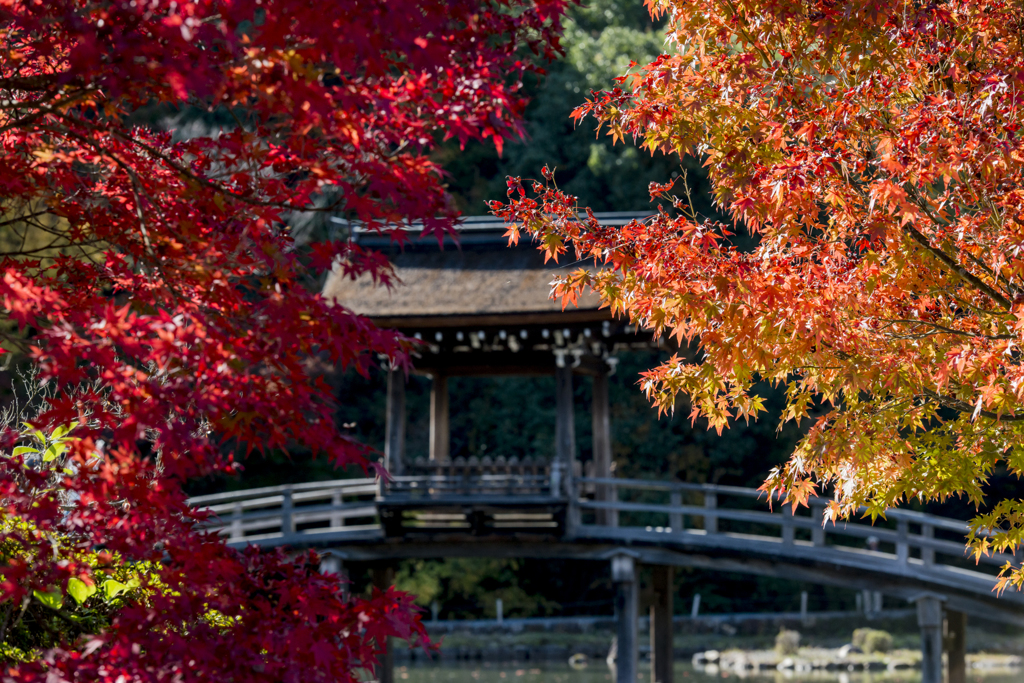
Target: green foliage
{"type": "Point", "coordinates": [80, 590]}
{"type": "Point", "coordinates": [59, 615]}
{"type": "Point", "coordinates": [646, 446]}
{"type": "Point", "coordinates": [471, 586]}
{"type": "Point", "coordinates": [47, 618]}
{"type": "Point", "coordinates": [600, 41]}
{"type": "Point", "coordinates": [872, 640]}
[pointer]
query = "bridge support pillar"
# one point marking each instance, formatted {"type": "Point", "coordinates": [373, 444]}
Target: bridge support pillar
{"type": "Point", "coordinates": [626, 613]}
{"type": "Point", "coordinates": [332, 564]}
{"type": "Point", "coordinates": [383, 577]}
{"type": "Point", "coordinates": [661, 625]}
{"type": "Point", "coordinates": [956, 646]}
{"type": "Point", "coordinates": [929, 620]}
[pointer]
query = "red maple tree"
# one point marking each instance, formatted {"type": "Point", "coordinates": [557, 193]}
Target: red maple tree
{"type": "Point", "coordinates": [869, 154]}
{"type": "Point", "coordinates": [155, 273]}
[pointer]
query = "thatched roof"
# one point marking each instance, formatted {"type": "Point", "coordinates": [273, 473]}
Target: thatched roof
{"type": "Point", "coordinates": [483, 278]}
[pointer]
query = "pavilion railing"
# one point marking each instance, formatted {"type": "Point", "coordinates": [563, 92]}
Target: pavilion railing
{"type": "Point", "coordinates": [474, 476]}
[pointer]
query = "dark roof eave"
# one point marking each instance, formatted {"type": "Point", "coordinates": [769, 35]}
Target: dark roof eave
{"type": "Point", "coordinates": [510, 318]}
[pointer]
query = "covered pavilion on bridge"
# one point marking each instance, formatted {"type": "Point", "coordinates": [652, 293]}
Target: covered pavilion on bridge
{"type": "Point", "coordinates": [482, 308]}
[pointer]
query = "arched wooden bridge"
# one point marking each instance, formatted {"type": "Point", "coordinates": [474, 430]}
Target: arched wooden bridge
{"type": "Point", "coordinates": [527, 509]}
{"type": "Point", "coordinates": [484, 310]}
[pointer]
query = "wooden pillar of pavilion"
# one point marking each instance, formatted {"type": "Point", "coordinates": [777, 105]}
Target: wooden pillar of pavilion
{"type": "Point", "coordinates": [602, 442]}
{"type": "Point", "coordinates": [394, 435]}
{"type": "Point", "coordinates": [565, 428]}
{"type": "Point", "coordinates": [440, 430]}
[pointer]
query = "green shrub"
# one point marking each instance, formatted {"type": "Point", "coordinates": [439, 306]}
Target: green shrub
{"type": "Point", "coordinates": [787, 642]}
{"type": "Point", "coordinates": [872, 640]}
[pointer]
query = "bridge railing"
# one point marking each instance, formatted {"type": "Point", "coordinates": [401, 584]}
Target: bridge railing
{"type": "Point", "coordinates": [639, 509]}
{"type": "Point", "coordinates": [293, 512]}
{"type": "Point", "coordinates": [681, 508]}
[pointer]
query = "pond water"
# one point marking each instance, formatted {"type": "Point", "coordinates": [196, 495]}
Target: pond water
{"type": "Point", "coordinates": [553, 672]}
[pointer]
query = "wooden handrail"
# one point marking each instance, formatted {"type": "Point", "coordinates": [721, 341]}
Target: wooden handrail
{"type": "Point", "coordinates": [912, 516]}
{"type": "Point", "coordinates": [295, 513]}
{"type": "Point", "coordinates": [245, 494]}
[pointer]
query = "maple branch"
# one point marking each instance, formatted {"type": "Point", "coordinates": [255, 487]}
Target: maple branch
{"type": "Point", "coordinates": [37, 250]}
{"type": "Point", "coordinates": [30, 83]}
{"type": "Point", "coordinates": [955, 266]}
{"type": "Point", "coordinates": [219, 188]}
{"type": "Point", "coordinates": [138, 206]}
{"type": "Point", "coordinates": [963, 407]}
{"type": "Point", "coordinates": [42, 109]}
{"type": "Point", "coordinates": [976, 309]}
{"type": "Point", "coordinates": [950, 330]}
{"type": "Point", "coordinates": [923, 204]}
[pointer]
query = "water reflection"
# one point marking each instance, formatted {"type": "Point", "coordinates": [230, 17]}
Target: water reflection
{"type": "Point", "coordinates": [597, 672]}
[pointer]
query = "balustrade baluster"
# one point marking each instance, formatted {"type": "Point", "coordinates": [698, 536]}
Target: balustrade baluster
{"type": "Point", "coordinates": [902, 542]}
{"type": "Point", "coordinates": [573, 519]}
{"type": "Point", "coordinates": [336, 519]}
{"type": "Point", "coordinates": [613, 497]}
{"type": "Point", "coordinates": [927, 553]}
{"type": "Point", "coordinates": [237, 533]}
{"type": "Point", "coordinates": [555, 479]}
{"type": "Point", "coordinates": [675, 520]}
{"type": "Point", "coordinates": [287, 520]}
{"type": "Point", "coordinates": [787, 525]}
{"type": "Point", "coordinates": [818, 529]}
{"type": "Point", "coordinates": [710, 517]}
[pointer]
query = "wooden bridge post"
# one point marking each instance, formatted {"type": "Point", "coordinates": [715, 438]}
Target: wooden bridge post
{"type": "Point", "coordinates": [440, 435]}
{"type": "Point", "coordinates": [927, 553]}
{"type": "Point", "coordinates": [287, 520]}
{"type": "Point", "coordinates": [602, 441]}
{"type": "Point", "coordinates": [626, 613]}
{"type": "Point", "coordinates": [956, 646]}
{"type": "Point", "coordinates": [675, 520]}
{"type": "Point", "coordinates": [336, 521]}
{"type": "Point", "coordinates": [818, 529]}
{"type": "Point", "coordinates": [788, 529]}
{"type": "Point", "coordinates": [612, 518]}
{"type": "Point", "coordinates": [710, 519]}
{"type": "Point", "coordinates": [929, 620]}
{"type": "Point", "coordinates": [237, 532]}
{"type": "Point", "coordinates": [902, 541]}
{"type": "Point", "coordinates": [383, 577]}
{"type": "Point", "coordinates": [661, 625]}
{"type": "Point", "coordinates": [394, 420]}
